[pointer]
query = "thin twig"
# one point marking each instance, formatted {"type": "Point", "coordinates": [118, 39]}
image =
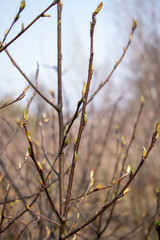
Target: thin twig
{"type": "Point", "coordinates": [132, 137]}
{"type": "Point", "coordinates": [20, 222]}
{"type": "Point", "coordinates": [123, 191]}
{"type": "Point", "coordinates": [60, 112]}
{"type": "Point", "coordinates": [82, 121]}
{"type": "Point", "coordinates": [98, 188]}
{"type": "Point", "coordinates": [9, 140]}
{"type": "Point", "coordinates": [108, 130]}
{"type": "Point", "coordinates": [82, 202]}
{"type": "Point", "coordinates": [6, 104]}
{"type": "Point", "coordinates": [154, 217]}
{"type": "Point", "coordinates": [44, 152]}
{"type": "Point", "coordinates": [21, 8]}
{"type": "Point", "coordinates": [41, 216]}
{"type": "Point", "coordinates": [135, 229]}
{"type": "Point", "coordinates": [123, 165]}
{"type": "Point", "coordinates": [40, 171]}
{"type": "Point", "coordinates": [32, 85]}
{"type": "Point", "coordinates": [19, 34]}
{"type": "Point", "coordinates": [22, 213]}
{"type": "Point", "coordinates": [9, 186]}
{"type": "Point", "coordinates": [71, 123]}
{"type": "Point", "coordinates": [101, 85]}
{"type": "Point", "coordinates": [32, 220]}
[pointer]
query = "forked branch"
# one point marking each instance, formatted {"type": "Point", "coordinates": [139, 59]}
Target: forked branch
{"type": "Point", "coordinates": [124, 189]}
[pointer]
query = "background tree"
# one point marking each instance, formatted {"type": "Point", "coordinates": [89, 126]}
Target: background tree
{"type": "Point", "coordinates": [66, 176]}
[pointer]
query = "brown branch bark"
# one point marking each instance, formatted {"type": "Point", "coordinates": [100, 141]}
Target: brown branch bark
{"type": "Point", "coordinates": [82, 121]}
{"type": "Point", "coordinates": [6, 104]}
{"type": "Point", "coordinates": [19, 34]}
{"type": "Point", "coordinates": [122, 191]}
{"type": "Point", "coordinates": [32, 85]}
{"type": "Point", "coordinates": [82, 124]}
{"type": "Point", "coordinates": [123, 166]}
{"type": "Point", "coordinates": [103, 83]}
{"type": "Point", "coordinates": [40, 171]}
{"type": "Point", "coordinates": [60, 112]}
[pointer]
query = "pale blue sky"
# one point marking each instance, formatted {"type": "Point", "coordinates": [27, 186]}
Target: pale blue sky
{"type": "Point", "coordinates": [39, 42]}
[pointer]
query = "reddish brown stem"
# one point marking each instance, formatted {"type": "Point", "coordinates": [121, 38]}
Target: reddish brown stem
{"type": "Point", "coordinates": [19, 34]}
{"type": "Point", "coordinates": [82, 124]}
{"type": "Point", "coordinates": [121, 192]}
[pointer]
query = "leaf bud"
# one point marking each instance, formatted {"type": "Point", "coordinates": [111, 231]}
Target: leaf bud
{"type": "Point", "coordinates": [84, 89]}
{"type": "Point", "coordinates": [23, 4]}
{"type": "Point", "coordinates": [134, 24]}
{"type": "Point", "coordinates": [142, 99]}
{"type": "Point", "coordinates": [99, 8]}
{"type": "Point", "coordinates": [157, 131]}
{"type": "Point", "coordinates": [85, 117]}
{"type": "Point", "coordinates": [126, 191]}
{"type": "Point", "coordinates": [144, 152]}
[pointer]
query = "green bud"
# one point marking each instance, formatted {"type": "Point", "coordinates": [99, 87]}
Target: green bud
{"type": "Point", "coordinates": [23, 4]}
{"type": "Point", "coordinates": [134, 24]}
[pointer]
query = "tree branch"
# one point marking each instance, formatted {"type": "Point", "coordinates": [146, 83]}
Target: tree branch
{"type": "Point", "coordinates": [19, 34]}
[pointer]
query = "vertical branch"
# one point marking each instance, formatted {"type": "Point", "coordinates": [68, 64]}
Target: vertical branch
{"type": "Point", "coordinates": [60, 113]}
{"type": "Point", "coordinates": [83, 120]}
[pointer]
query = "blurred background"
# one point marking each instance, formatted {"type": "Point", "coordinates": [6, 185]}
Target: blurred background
{"type": "Point", "coordinates": [39, 44]}
{"type": "Point", "coordinates": [111, 115]}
